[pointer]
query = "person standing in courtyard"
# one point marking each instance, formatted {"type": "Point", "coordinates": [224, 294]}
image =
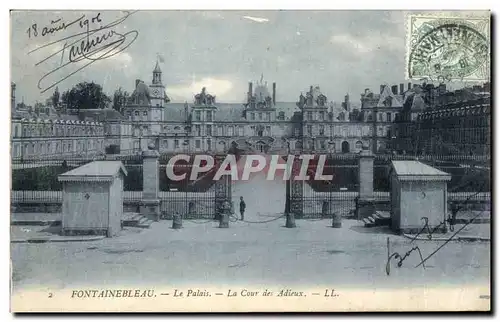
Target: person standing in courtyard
{"type": "Point", "coordinates": [242, 208]}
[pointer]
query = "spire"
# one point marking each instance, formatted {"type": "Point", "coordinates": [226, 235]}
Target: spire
{"type": "Point", "coordinates": [157, 73]}
{"type": "Point", "coordinates": [157, 68]}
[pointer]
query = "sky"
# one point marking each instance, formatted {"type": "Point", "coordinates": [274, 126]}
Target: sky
{"type": "Point", "coordinates": [340, 51]}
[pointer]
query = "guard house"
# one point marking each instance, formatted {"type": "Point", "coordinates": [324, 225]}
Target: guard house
{"type": "Point", "coordinates": [93, 199]}
{"type": "Point", "coordinates": [417, 191]}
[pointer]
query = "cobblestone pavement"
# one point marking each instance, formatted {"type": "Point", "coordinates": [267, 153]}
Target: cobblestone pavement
{"type": "Point", "coordinates": [312, 254]}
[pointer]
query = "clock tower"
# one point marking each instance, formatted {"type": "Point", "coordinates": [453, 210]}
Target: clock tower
{"type": "Point", "coordinates": [157, 88]}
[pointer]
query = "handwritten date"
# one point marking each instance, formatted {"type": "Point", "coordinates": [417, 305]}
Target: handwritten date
{"type": "Point", "coordinates": [58, 25]}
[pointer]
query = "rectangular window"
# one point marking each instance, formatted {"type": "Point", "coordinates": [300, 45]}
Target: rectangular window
{"type": "Point", "coordinates": [209, 144]}
{"type": "Point", "coordinates": [321, 115]}
{"type": "Point", "coordinates": [209, 116]}
{"type": "Point", "coordinates": [309, 116]}
{"type": "Point", "coordinates": [165, 144]}
{"type": "Point", "coordinates": [380, 116]}
{"type": "Point", "coordinates": [219, 131]}
{"type": "Point", "coordinates": [268, 130]}
{"type": "Point", "coordinates": [309, 130]}
{"type": "Point", "coordinates": [230, 131]}
{"type": "Point", "coordinates": [252, 116]}
{"type": "Point", "coordinates": [136, 113]}
{"type": "Point", "coordinates": [145, 113]}
{"type": "Point", "coordinates": [198, 144]}
{"type": "Point", "coordinates": [388, 117]}
{"type": "Point", "coordinates": [268, 116]}
{"type": "Point", "coordinates": [209, 130]}
{"type": "Point", "coordinates": [176, 143]}
{"type": "Point", "coordinates": [260, 116]}
{"type": "Point", "coordinates": [198, 115]}
{"type": "Point", "coordinates": [321, 130]}
{"type": "Point", "coordinates": [197, 130]}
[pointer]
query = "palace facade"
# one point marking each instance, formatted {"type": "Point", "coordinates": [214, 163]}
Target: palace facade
{"type": "Point", "coordinates": [311, 125]}
{"type": "Point", "coordinates": [436, 121]}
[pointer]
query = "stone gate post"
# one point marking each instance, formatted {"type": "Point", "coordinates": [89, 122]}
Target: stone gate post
{"type": "Point", "coordinates": [150, 204]}
{"type": "Point", "coordinates": [296, 190]}
{"type": "Point", "coordinates": [365, 204]}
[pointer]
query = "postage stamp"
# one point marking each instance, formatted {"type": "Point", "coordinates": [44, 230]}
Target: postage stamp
{"type": "Point", "coordinates": [447, 48]}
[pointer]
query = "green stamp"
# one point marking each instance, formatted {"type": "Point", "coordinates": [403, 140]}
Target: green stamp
{"type": "Point", "coordinates": [445, 49]}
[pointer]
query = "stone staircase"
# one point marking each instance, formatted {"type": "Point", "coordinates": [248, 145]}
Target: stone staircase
{"type": "Point", "coordinates": [134, 219]}
{"type": "Point", "coordinates": [379, 218]}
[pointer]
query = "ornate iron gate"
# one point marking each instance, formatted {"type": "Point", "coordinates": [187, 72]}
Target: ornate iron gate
{"type": "Point", "coordinates": [199, 199]}
{"type": "Point", "coordinates": [324, 198]}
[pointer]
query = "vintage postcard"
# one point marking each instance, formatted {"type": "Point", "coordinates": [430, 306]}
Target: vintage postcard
{"type": "Point", "coordinates": [250, 161]}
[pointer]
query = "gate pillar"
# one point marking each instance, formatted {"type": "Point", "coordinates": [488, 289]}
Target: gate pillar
{"type": "Point", "coordinates": [296, 190]}
{"type": "Point", "coordinates": [365, 202]}
{"type": "Point", "coordinates": [150, 203]}
{"type": "Point", "coordinates": [223, 198]}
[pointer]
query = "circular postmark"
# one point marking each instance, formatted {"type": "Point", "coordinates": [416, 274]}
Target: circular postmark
{"type": "Point", "coordinates": [449, 51]}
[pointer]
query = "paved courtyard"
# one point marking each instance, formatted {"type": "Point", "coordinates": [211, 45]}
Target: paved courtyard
{"type": "Point", "coordinates": [312, 254]}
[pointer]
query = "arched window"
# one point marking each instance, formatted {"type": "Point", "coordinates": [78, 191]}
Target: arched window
{"type": "Point", "coordinates": [345, 147]}
{"type": "Point", "coordinates": [359, 145]}
{"type": "Point", "coordinates": [16, 129]}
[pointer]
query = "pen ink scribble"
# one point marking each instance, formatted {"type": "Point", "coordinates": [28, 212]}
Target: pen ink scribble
{"type": "Point", "coordinates": [401, 259]}
{"type": "Point", "coordinates": [93, 44]}
{"type": "Point", "coordinates": [449, 239]}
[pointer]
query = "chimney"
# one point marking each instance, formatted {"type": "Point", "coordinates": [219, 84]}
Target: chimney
{"type": "Point", "coordinates": [381, 88]}
{"type": "Point", "coordinates": [401, 88]}
{"type": "Point", "coordinates": [274, 93]}
{"type": "Point", "coordinates": [409, 86]}
{"type": "Point", "coordinates": [250, 89]}
{"type": "Point", "coordinates": [394, 89]}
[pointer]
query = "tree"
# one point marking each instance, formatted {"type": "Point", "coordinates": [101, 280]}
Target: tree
{"type": "Point", "coordinates": [120, 98]}
{"type": "Point", "coordinates": [86, 96]}
{"type": "Point", "coordinates": [55, 98]}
